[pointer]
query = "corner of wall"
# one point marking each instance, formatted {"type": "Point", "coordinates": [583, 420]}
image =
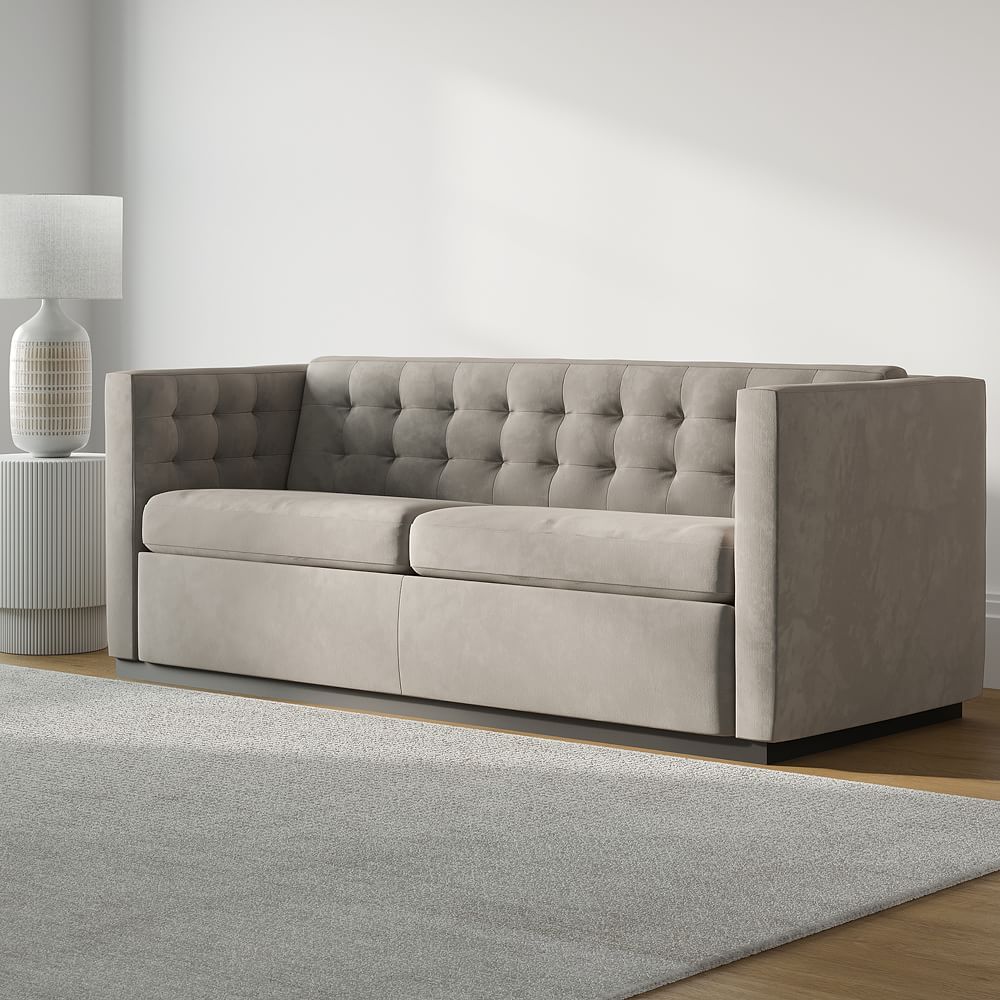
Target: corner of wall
{"type": "Point", "coordinates": [991, 676]}
{"type": "Point", "coordinates": [107, 53]}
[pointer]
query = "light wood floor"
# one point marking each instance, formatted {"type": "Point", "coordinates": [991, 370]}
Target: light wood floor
{"type": "Point", "coordinates": [943, 946]}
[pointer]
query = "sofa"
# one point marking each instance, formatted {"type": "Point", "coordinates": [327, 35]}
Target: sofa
{"type": "Point", "coordinates": [745, 561]}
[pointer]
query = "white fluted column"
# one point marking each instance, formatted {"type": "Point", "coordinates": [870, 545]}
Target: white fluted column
{"type": "Point", "coordinates": [52, 554]}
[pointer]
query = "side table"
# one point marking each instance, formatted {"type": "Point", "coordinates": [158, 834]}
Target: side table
{"type": "Point", "coordinates": [52, 554]}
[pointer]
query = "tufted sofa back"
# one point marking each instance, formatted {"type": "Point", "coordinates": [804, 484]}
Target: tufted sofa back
{"type": "Point", "coordinates": [615, 435]}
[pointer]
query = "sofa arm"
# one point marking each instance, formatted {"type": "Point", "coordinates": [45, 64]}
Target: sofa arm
{"type": "Point", "coordinates": [860, 552]}
{"type": "Point", "coordinates": [188, 429]}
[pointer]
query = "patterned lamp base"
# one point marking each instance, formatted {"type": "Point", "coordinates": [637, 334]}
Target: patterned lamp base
{"type": "Point", "coordinates": [52, 554]}
{"type": "Point", "coordinates": [50, 384]}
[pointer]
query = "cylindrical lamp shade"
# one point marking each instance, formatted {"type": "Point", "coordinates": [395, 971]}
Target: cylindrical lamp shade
{"type": "Point", "coordinates": [60, 246]}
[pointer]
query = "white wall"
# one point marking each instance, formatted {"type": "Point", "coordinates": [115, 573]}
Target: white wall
{"type": "Point", "coordinates": [767, 181]}
{"type": "Point", "coordinates": [45, 127]}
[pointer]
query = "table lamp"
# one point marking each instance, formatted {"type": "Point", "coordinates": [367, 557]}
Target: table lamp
{"type": "Point", "coordinates": [52, 247]}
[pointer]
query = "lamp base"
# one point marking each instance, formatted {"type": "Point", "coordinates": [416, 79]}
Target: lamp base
{"type": "Point", "coordinates": [50, 384]}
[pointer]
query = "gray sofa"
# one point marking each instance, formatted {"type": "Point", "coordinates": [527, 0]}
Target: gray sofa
{"type": "Point", "coordinates": [750, 561]}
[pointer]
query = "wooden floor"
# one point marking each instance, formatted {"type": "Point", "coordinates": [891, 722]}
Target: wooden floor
{"type": "Point", "coordinates": [945, 945]}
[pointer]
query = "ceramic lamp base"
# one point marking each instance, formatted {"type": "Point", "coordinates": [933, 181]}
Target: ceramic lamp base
{"type": "Point", "coordinates": [50, 384]}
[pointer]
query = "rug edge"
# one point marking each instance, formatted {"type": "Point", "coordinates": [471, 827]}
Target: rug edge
{"type": "Point", "coordinates": [862, 913]}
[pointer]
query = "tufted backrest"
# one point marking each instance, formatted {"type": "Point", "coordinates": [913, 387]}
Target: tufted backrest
{"type": "Point", "coordinates": [616, 435]}
{"type": "Point", "coordinates": [199, 429]}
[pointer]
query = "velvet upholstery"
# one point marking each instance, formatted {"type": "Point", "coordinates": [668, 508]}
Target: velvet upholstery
{"type": "Point", "coordinates": [444, 639]}
{"type": "Point", "coordinates": [644, 436]}
{"type": "Point", "coordinates": [608, 435]}
{"type": "Point", "coordinates": [300, 623]}
{"type": "Point", "coordinates": [637, 661]}
{"type": "Point", "coordinates": [854, 499]}
{"type": "Point", "coordinates": [339, 530]}
{"type": "Point", "coordinates": [189, 429]}
{"type": "Point", "coordinates": [860, 552]}
{"type": "Point", "coordinates": [649, 555]}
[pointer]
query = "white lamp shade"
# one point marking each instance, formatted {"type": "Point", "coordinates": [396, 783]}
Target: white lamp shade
{"type": "Point", "coordinates": [60, 246]}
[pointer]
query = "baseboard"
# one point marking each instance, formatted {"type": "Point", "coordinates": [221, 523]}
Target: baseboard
{"type": "Point", "coordinates": [991, 676]}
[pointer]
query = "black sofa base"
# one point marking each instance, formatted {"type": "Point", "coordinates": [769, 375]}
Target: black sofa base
{"type": "Point", "coordinates": [722, 747]}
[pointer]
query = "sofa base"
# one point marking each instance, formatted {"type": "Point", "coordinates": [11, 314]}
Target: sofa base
{"type": "Point", "coordinates": [721, 747]}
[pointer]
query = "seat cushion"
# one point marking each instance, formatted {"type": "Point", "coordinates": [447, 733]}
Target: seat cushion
{"type": "Point", "coordinates": [342, 530]}
{"type": "Point", "coordinates": [651, 555]}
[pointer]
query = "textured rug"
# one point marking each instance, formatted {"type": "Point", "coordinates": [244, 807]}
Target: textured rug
{"type": "Point", "coordinates": [157, 843]}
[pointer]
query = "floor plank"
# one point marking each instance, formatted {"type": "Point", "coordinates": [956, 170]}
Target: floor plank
{"type": "Point", "coordinates": [936, 948]}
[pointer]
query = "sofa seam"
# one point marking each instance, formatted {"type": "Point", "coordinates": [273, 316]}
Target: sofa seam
{"type": "Point", "coordinates": [295, 435]}
{"type": "Point", "coordinates": [216, 459]}
{"type": "Point", "coordinates": [614, 437]}
{"type": "Point", "coordinates": [308, 517]}
{"type": "Point", "coordinates": [506, 396]}
{"type": "Point", "coordinates": [350, 375]}
{"type": "Point", "coordinates": [492, 461]}
{"type": "Point", "coordinates": [558, 579]}
{"type": "Point", "coordinates": [680, 403]}
{"type": "Point", "coordinates": [162, 547]}
{"type": "Point", "coordinates": [395, 422]}
{"type": "Point", "coordinates": [199, 372]}
{"type": "Point", "coordinates": [732, 499]}
{"type": "Point", "coordinates": [710, 365]}
{"type": "Point", "coordinates": [555, 437]}
{"type": "Point", "coordinates": [510, 413]}
{"type": "Point", "coordinates": [137, 543]}
{"type": "Point", "coordinates": [212, 413]}
{"type": "Point", "coordinates": [913, 382]}
{"type": "Point", "coordinates": [399, 607]}
{"type": "Point", "coordinates": [446, 459]}
{"type": "Point", "coordinates": [571, 534]}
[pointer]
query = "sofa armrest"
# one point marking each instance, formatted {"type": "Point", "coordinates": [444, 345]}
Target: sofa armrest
{"type": "Point", "coordinates": [187, 429]}
{"type": "Point", "coordinates": [860, 552]}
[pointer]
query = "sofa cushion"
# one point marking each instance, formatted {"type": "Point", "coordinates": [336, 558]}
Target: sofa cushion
{"type": "Point", "coordinates": [652, 555]}
{"type": "Point", "coordinates": [314, 529]}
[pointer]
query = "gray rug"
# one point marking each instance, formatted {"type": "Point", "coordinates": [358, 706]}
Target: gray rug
{"type": "Point", "coordinates": [168, 844]}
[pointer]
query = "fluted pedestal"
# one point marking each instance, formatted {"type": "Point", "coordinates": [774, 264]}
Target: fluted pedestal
{"type": "Point", "coordinates": [52, 554]}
